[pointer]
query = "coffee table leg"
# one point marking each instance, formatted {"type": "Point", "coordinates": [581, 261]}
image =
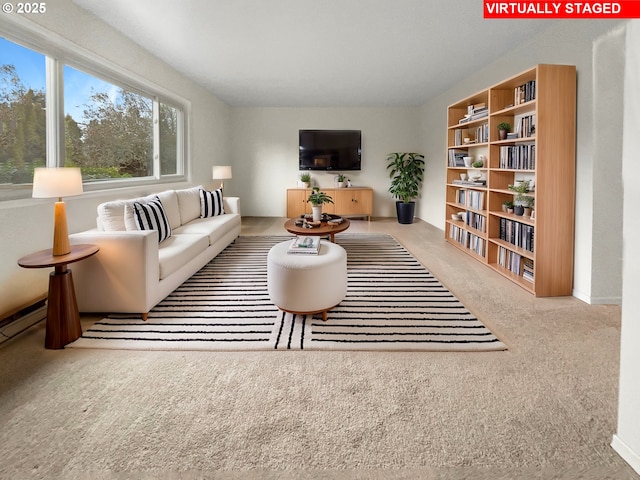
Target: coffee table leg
{"type": "Point", "coordinates": [63, 319]}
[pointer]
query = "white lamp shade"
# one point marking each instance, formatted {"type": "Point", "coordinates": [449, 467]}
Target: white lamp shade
{"type": "Point", "coordinates": [221, 172]}
{"type": "Point", "coordinates": [56, 182]}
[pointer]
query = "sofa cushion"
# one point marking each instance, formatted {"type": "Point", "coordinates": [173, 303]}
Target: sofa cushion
{"type": "Point", "coordinates": [111, 216]}
{"type": "Point", "coordinates": [213, 227]}
{"type": "Point", "coordinates": [189, 203]}
{"type": "Point", "coordinates": [117, 215]}
{"type": "Point", "coordinates": [169, 201]}
{"type": "Point", "coordinates": [211, 203]}
{"type": "Point", "coordinates": [178, 250]}
{"type": "Point", "coordinates": [151, 216]}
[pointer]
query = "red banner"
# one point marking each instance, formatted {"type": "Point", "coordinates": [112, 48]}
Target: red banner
{"type": "Point", "coordinates": [562, 9]}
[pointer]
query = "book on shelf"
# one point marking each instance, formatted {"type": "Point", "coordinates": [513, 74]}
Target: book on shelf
{"type": "Point", "coordinates": [525, 92]}
{"type": "Point", "coordinates": [472, 183]}
{"type": "Point", "coordinates": [470, 198]}
{"type": "Point", "coordinates": [518, 157]}
{"type": "Point", "coordinates": [527, 270]}
{"type": "Point", "coordinates": [305, 244]}
{"type": "Point", "coordinates": [526, 127]}
{"type": "Point", "coordinates": [518, 234]}
{"type": "Point", "coordinates": [456, 157]}
{"type": "Point", "coordinates": [474, 112]}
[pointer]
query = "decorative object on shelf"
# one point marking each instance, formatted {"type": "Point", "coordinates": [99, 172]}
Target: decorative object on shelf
{"type": "Point", "coordinates": [529, 203]}
{"type": "Point", "coordinates": [221, 172]}
{"type": "Point", "coordinates": [478, 163]}
{"type": "Point", "coordinates": [477, 176]}
{"type": "Point", "coordinates": [503, 129]}
{"type": "Point", "coordinates": [340, 179]}
{"type": "Point", "coordinates": [520, 188]}
{"type": "Point", "coordinates": [57, 183]}
{"type": "Point", "coordinates": [506, 206]}
{"type": "Point", "coordinates": [468, 161]}
{"type": "Point", "coordinates": [317, 199]}
{"type": "Point", "coordinates": [305, 180]}
{"type": "Point", "coordinates": [406, 171]}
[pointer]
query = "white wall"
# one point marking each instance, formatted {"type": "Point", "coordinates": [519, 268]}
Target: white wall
{"type": "Point", "coordinates": [627, 439]}
{"type": "Point", "coordinates": [608, 108]}
{"type": "Point", "coordinates": [265, 151]}
{"type": "Point", "coordinates": [27, 225]}
{"type": "Point", "coordinates": [568, 42]}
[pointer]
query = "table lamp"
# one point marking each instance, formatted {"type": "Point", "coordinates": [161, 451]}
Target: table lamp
{"type": "Point", "coordinates": [58, 183]}
{"type": "Point", "coordinates": [221, 172]}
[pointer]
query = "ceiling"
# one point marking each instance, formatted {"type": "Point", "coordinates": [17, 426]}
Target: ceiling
{"type": "Point", "coordinates": [287, 53]}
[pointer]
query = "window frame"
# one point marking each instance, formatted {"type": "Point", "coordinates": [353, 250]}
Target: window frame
{"type": "Point", "coordinates": [59, 52]}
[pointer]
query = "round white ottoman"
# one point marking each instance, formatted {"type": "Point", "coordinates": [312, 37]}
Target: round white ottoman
{"type": "Point", "coordinates": [307, 284]}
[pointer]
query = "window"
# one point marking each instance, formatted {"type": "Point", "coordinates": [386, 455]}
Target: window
{"type": "Point", "coordinates": [114, 133]}
{"type": "Point", "coordinates": [108, 130]}
{"type": "Point", "coordinates": [23, 142]}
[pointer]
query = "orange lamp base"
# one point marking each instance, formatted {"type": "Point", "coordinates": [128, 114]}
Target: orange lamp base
{"type": "Point", "coordinates": [60, 232]}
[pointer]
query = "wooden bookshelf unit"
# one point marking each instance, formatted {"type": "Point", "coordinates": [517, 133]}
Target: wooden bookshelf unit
{"type": "Point", "coordinates": [536, 252]}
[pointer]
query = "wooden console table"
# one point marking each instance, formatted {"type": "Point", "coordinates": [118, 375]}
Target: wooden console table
{"type": "Point", "coordinates": [63, 318]}
{"type": "Point", "coordinates": [352, 201]}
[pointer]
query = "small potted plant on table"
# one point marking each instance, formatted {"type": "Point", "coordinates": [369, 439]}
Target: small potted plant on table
{"type": "Point", "coordinates": [317, 199]}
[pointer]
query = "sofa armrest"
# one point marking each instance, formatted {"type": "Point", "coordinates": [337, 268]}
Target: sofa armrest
{"type": "Point", "coordinates": [231, 204]}
{"type": "Point", "coordinates": [122, 276]}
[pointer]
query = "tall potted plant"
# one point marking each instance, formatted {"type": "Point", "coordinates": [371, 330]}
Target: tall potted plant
{"type": "Point", "coordinates": [406, 171]}
{"type": "Point", "coordinates": [317, 199]}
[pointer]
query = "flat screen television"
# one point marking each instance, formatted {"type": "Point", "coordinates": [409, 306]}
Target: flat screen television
{"type": "Point", "coordinates": [330, 150]}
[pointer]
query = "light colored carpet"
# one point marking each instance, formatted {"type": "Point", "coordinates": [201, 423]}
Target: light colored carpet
{"type": "Point", "coordinates": [392, 303]}
{"type": "Point", "coordinates": [544, 409]}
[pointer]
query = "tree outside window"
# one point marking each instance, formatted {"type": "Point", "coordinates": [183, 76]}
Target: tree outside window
{"type": "Point", "coordinates": [108, 130]}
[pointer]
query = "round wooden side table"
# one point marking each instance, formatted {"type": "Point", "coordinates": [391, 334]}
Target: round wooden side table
{"type": "Point", "coordinates": [63, 318]}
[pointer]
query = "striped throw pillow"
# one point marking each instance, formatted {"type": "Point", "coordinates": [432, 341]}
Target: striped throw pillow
{"type": "Point", "coordinates": [151, 216]}
{"type": "Point", "coordinates": [211, 203]}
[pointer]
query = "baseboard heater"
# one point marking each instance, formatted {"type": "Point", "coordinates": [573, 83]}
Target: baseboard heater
{"type": "Point", "coordinates": [16, 322]}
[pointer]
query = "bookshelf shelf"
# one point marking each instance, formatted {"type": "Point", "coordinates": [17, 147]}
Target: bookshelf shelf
{"type": "Point", "coordinates": [538, 154]}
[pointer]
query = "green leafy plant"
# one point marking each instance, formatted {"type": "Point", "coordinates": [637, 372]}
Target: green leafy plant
{"type": "Point", "coordinates": [521, 189]}
{"type": "Point", "coordinates": [504, 126]}
{"type": "Point", "coordinates": [317, 198]}
{"type": "Point", "coordinates": [478, 164]}
{"type": "Point", "coordinates": [305, 177]}
{"type": "Point", "coordinates": [341, 177]}
{"type": "Point", "coordinates": [406, 171]}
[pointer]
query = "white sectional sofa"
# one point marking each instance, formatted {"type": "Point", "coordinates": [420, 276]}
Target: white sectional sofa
{"type": "Point", "coordinates": [134, 271]}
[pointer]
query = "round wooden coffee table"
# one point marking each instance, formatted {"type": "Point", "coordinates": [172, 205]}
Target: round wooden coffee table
{"type": "Point", "coordinates": [323, 230]}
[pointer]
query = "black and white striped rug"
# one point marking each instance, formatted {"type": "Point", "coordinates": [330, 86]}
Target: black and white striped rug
{"type": "Point", "coordinates": [392, 303]}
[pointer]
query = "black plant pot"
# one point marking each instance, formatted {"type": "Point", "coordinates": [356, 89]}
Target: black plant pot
{"type": "Point", "coordinates": [405, 211]}
{"type": "Point", "coordinates": [518, 210]}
